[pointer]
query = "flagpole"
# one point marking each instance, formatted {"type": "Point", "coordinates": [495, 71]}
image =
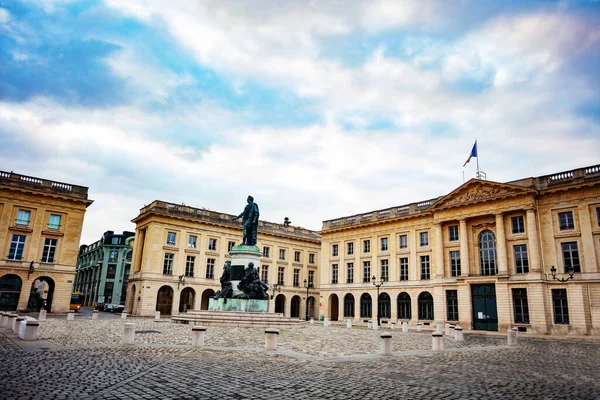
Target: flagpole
{"type": "Point", "coordinates": [478, 175]}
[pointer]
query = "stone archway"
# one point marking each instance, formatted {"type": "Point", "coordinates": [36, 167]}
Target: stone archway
{"type": "Point", "coordinates": [164, 300]}
{"type": "Point", "coordinates": [206, 296]}
{"type": "Point", "coordinates": [311, 307]}
{"type": "Point", "coordinates": [280, 304]}
{"type": "Point", "coordinates": [10, 291]}
{"type": "Point", "coordinates": [295, 307]}
{"type": "Point", "coordinates": [42, 293]}
{"type": "Point", "coordinates": [186, 299]}
{"type": "Point", "coordinates": [334, 307]}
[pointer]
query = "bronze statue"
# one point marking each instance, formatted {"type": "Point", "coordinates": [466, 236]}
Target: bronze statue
{"type": "Point", "coordinates": [252, 286]}
{"type": "Point", "coordinates": [226, 291]}
{"type": "Point", "coordinates": [249, 222]}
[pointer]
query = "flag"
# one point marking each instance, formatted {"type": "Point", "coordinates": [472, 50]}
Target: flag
{"type": "Point", "coordinates": [473, 153]}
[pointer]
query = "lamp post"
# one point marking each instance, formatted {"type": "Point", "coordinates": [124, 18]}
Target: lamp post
{"type": "Point", "coordinates": [307, 285]}
{"type": "Point", "coordinates": [570, 271]}
{"type": "Point", "coordinates": [275, 287]}
{"type": "Point", "coordinates": [181, 281]}
{"type": "Point", "coordinates": [378, 285]}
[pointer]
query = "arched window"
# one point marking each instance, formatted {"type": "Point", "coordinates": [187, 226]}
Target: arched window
{"type": "Point", "coordinates": [487, 253]}
{"type": "Point", "coordinates": [365, 305]}
{"type": "Point", "coordinates": [348, 305]}
{"type": "Point", "coordinates": [384, 305]}
{"type": "Point", "coordinates": [425, 306]}
{"type": "Point", "coordinates": [404, 306]}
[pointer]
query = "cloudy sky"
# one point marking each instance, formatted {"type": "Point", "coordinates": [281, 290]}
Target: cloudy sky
{"type": "Point", "coordinates": [317, 108]}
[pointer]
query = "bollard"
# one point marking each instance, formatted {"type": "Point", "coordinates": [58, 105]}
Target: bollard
{"type": "Point", "coordinates": [271, 338]}
{"type": "Point", "coordinates": [326, 321]}
{"type": "Point", "coordinates": [42, 316]}
{"type": "Point", "coordinates": [458, 334]}
{"type": "Point", "coordinates": [452, 331]}
{"type": "Point", "coordinates": [21, 327]}
{"type": "Point", "coordinates": [512, 335]}
{"type": "Point", "coordinates": [157, 316]}
{"type": "Point", "coordinates": [375, 325]}
{"type": "Point", "coordinates": [405, 327]}
{"type": "Point", "coordinates": [198, 333]}
{"type": "Point", "coordinates": [11, 321]}
{"type": "Point", "coordinates": [71, 316]}
{"type": "Point", "coordinates": [129, 333]}
{"type": "Point", "coordinates": [447, 328]}
{"type": "Point", "coordinates": [386, 344]}
{"type": "Point", "coordinates": [95, 315]}
{"type": "Point", "coordinates": [17, 324]}
{"type": "Point", "coordinates": [439, 328]}
{"type": "Point", "coordinates": [419, 327]}
{"type": "Point", "coordinates": [393, 325]}
{"type": "Point", "coordinates": [123, 315]}
{"type": "Point", "coordinates": [349, 324]}
{"type": "Point", "coordinates": [3, 319]}
{"type": "Point", "coordinates": [437, 341]}
{"type": "Point", "coordinates": [312, 321]}
{"type": "Point", "coordinates": [31, 330]}
{"type": "Point", "coordinates": [369, 325]}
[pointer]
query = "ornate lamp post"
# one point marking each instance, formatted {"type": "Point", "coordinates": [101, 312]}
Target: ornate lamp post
{"type": "Point", "coordinates": [307, 286]}
{"type": "Point", "coordinates": [275, 287]}
{"type": "Point", "coordinates": [570, 271]}
{"type": "Point", "coordinates": [378, 285]}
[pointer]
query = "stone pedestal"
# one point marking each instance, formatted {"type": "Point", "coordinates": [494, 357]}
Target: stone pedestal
{"type": "Point", "coordinates": [129, 333]}
{"type": "Point", "coordinates": [238, 305]}
{"type": "Point", "coordinates": [437, 341]}
{"type": "Point", "coordinates": [271, 338]}
{"type": "Point", "coordinates": [42, 316]}
{"type": "Point", "coordinates": [198, 333]}
{"type": "Point", "coordinates": [386, 344]}
{"type": "Point", "coordinates": [241, 257]}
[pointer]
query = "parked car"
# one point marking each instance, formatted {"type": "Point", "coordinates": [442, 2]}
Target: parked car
{"type": "Point", "coordinates": [99, 307]}
{"type": "Point", "coordinates": [108, 307]}
{"type": "Point", "coordinates": [114, 308]}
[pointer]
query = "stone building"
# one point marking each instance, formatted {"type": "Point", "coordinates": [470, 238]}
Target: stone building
{"type": "Point", "coordinates": [480, 256]}
{"type": "Point", "coordinates": [40, 228]}
{"type": "Point", "coordinates": [179, 253]}
{"type": "Point", "coordinates": [103, 269]}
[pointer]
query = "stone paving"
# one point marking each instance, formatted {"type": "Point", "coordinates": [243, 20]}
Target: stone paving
{"type": "Point", "coordinates": [536, 369]}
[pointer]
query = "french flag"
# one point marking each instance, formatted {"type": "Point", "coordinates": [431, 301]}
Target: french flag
{"type": "Point", "coordinates": [473, 153]}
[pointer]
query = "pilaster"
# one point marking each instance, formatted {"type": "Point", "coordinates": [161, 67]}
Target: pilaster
{"type": "Point", "coordinates": [464, 248]}
{"type": "Point", "coordinates": [533, 241]}
{"type": "Point", "coordinates": [501, 245]}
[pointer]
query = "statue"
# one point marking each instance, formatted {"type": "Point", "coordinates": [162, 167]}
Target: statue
{"type": "Point", "coordinates": [252, 286]}
{"type": "Point", "coordinates": [249, 222]}
{"type": "Point", "coordinates": [226, 291]}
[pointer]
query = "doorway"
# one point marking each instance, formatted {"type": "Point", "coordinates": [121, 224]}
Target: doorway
{"type": "Point", "coordinates": [485, 311]}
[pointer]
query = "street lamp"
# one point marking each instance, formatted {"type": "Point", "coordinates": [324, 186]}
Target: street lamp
{"type": "Point", "coordinates": [378, 285]}
{"type": "Point", "coordinates": [570, 271]}
{"type": "Point", "coordinates": [275, 287]}
{"type": "Point", "coordinates": [307, 286]}
{"type": "Point", "coordinates": [181, 281]}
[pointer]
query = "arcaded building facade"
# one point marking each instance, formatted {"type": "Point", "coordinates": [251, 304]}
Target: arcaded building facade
{"type": "Point", "coordinates": [179, 253]}
{"type": "Point", "coordinates": [480, 256]}
{"type": "Point", "coordinates": [40, 228]}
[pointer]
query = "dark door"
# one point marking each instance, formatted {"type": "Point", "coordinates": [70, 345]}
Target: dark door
{"type": "Point", "coordinates": [485, 312]}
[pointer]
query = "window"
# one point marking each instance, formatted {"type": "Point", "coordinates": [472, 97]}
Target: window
{"type": "Point", "coordinates": [189, 265]}
{"type": "Point", "coordinates": [297, 256]}
{"type": "Point", "coordinates": [366, 246]}
{"type": "Point", "coordinates": [350, 247]}
{"type": "Point", "coordinates": [210, 268]}
{"type": "Point", "coordinates": [424, 239]}
{"type": "Point", "coordinates": [212, 244]}
{"type": "Point", "coordinates": [171, 238]}
{"type": "Point", "coordinates": [54, 221]}
{"type": "Point", "coordinates": [334, 250]}
{"type": "Point", "coordinates": [365, 305]}
{"type": "Point", "coordinates": [111, 271]}
{"type": "Point", "coordinates": [311, 258]}
{"type": "Point", "coordinates": [192, 241]}
{"type": "Point", "coordinates": [296, 277]}
{"type": "Point", "coordinates": [113, 256]}
{"type": "Point", "coordinates": [168, 264]}
{"type": "Point", "coordinates": [404, 309]}
{"type": "Point", "coordinates": [23, 217]}
{"type": "Point", "coordinates": [49, 250]}
{"type": "Point", "coordinates": [350, 273]}
{"type": "Point", "coordinates": [385, 270]}
{"type": "Point", "coordinates": [570, 256]}
{"type": "Point", "coordinates": [403, 240]}
{"type": "Point", "coordinates": [565, 220]}
{"type": "Point", "coordinates": [366, 271]}
{"type": "Point", "coordinates": [264, 274]}
{"type": "Point", "coordinates": [282, 254]}
{"type": "Point", "coordinates": [453, 233]}
{"type": "Point", "coordinates": [230, 245]}
{"type": "Point", "coordinates": [425, 303]}
{"type": "Point", "coordinates": [114, 240]}
{"type": "Point", "coordinates": [384, 244]}
{"type": "Point", "coordinates": [487, 253]}
{"type": "Point", "coordinates": [334, 273]}
{"type": "Point", "coordinates": [404, 268]}
{"type": "Point", "coordinates": [311, 277]}
{"type": "Point", "coordinates": [455, 263]}
{"type": "Point", "coordinates": [384, 306]}
{"type": "Point", "coordinates": [521, 262]}
{"type": "Point", "coordinates": [280, 276]}
{"type": "Point", "coordinates": [452, 305]}
{"type": "Point", "coordinates": [108, 289]}
{"type": "Point", "coordinates": [518, 225]}
{"type": "Point", "coordinates": [598, 215]}
{"type": "Point", "coordinates": [561, 308]}
{"type": "Point", "coordinates": [266, 252]}
{"type": "Point", "coordinates": [425, 268]}
{"type": "Point", "coordinates": [348, 306]}
{"type": "Point", "coordinates": [520, 306]}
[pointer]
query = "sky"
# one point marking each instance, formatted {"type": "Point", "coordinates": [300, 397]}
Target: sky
{"type": "Point", "coordinates": [319, 109]}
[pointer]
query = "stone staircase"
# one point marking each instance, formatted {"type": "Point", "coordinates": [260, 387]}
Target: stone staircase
{"type": "Point", "coordinates": [238, 319]}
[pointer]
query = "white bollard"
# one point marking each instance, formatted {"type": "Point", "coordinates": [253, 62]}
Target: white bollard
{"type": "Point", "coordinates": [458, 334]}
{"type": "Point", "coordinates": [452, 331]}
{"type": "Point", "coordinates": [17, 324]}
{"type": "Point", "coordinates": [198, 333]}
{"type": "Point", "coordinates": [271, 338]}
{"type": "Point", "coordinates": [31, 330]}
{"type": "Point", "coordinates": [437, 341]}
{"type": "Point", "coordinates": [512, 335]}
{"type": "Point", "coordinates": [419, 327]}
{"type": "Point", "coordinates": [95, 315]}
{"type": "Point", "coordinates": [123, 315]}
{"type": "Point", "coordinates": [312, 321]}
{"type": "Point", "coordinates": [157, 316]}
{"type": "Point", "coordinates": [22, 326]}
{"type": "Point", "coordinates": [349, 323]}
{"type": "Point", "coordinates": [393, 325]}
{"type": "Point", "coordinates": [71, 315]}
{"type": "Point", "coordinates": [3, 319]}
{"type": "Point", "coordinates": [42, 316]}
{"type": "Point", "coordinates": [129, 333]}
{"type": "Point", "coordinates": [11, 321]}
{"type": "Point", "coordinates": [369, 325]}
{"type": "Point", "coordinates": [386, 344]}
{"type": "Point", "coordinates": [439, 328]}
{"type": "Point", "coordinates": [375, 325]}
{"type": "Point", "coordinates": [405, 327]}
{"type": "Point", "coordinates": [447, 329]}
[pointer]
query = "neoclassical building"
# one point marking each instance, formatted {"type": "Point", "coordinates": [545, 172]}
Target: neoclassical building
{"type": "Point", "coordinates": [179, 253]}
{"type": "Point", "coordinates": [40, 228]}
{"type": "Point", "coordinates": [103, 269]}
{"type": "Point", "coordinates": [481, 256]}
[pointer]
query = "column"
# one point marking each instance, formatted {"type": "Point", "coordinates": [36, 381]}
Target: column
{"type": "Point", "coordinates": [501, 245]}
{"type": "Point", "coordinates": [357, 306]}
{"type": "Point", "coordinates": [439, 251]}
{"type": "Point", "coordinates": [464, 248]}
{"type": "Point", "coordinates": [533, 241]}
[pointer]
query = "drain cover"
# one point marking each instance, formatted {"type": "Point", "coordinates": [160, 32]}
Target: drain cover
{"type": "Point", "coordinates": [148, 331]}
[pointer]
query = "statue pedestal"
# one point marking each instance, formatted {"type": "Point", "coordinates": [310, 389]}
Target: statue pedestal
{"type": "Point", "coordinates": [238, 305]}
{"type": "Point", "coordinates": [241, 256]}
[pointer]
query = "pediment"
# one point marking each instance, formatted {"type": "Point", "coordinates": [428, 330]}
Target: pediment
{"type": "Point", "coordinates": [476, 190]}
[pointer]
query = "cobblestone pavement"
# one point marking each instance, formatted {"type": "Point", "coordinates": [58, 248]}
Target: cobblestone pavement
{"type": "Point", "coordinates": [536, 369]}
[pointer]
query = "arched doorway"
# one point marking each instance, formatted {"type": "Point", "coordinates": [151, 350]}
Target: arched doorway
{"type": "Point", "coordinates": [280, 304]}
{"type": "Point", "coordinates": [311, 308]}
{"type": "Point", "coordinates": [295, 307]}
{"type": "Point", "coordinates": [164, 300]}
{"type": "Point", "coordinates": [10, 290]}
{"type": "Point", "coordinates": [206, 296]}
{"type": "Point", "coordinates": [425, 301]}
{"type": "Point", "coordinates": [186, 299]}
{"type": "Point", "coordinates": [349, 306]}
{"type": "Point", "coordinates": [42, 293]}
{"type": "Point", "coordinates": [365, 306]}
{"type": "Point", "coordinates": [487, 253]}
{"type": "Point", "coordinates": [384, 305]}
{"type": "Point", "coordinates": [404, 308]}
{"type": "Point", "coordinates": [334, 307]}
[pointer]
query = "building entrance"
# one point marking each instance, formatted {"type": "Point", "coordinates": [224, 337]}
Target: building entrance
{"type": "Point", "coordinates": [485, 311]}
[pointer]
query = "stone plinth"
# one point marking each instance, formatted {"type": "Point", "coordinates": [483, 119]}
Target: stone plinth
{"type": "Point", "coordinates": [241, 256]}
{"type": "Point", "coordinates": [238, 305]}
{"type": "Point", "coordinates": [198, 333]}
